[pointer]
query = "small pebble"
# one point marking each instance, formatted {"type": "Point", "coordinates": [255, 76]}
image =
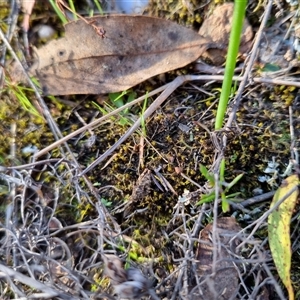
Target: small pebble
{"type": "Point", "coordinates": [45, 32]}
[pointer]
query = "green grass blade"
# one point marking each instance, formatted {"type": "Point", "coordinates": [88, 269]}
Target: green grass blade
{"type": "Point", "coordinates": [207, 175]}
{"type": "Point", "coordinates": [234, 181]}
{"type": "Point", "coordinates": [97, 4]}
{"type": "Point", "coordinates": [207, 198]}
{"type": "Point", "coordinates": [59, 13]}
{"type": "Point", "coordinates": [72, 7]}
{"type": "Point", "coordinates": [233, 48]}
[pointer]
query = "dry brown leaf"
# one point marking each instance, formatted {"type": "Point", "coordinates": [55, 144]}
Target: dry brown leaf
{"type": "Point", "coordinates": [217, 27]}
{"type": "Point", "coordinates": [224, 283]}
{"type": "Point", "coordinates": [126, 51]}
{"type": "Point", "coordinates": [141, 189]}
{"type": "Point", "coordinates": [128, 284]}
{"type": "Point", "coordinates": [114, 269]}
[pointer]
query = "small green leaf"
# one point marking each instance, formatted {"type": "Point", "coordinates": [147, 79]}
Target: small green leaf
{"type": "Point", "coordinates": [105, 202]}
{"type": "Point", "coordinates": [207, 175]}
{"type": "Point", "coordinates": [117, 98]}
{"type": "Point", "coordinates": [222, 170]}
{"type": "Point", "coordinates": [270, 68]}
{"type": "Point", "coordinates": [225, 204]}
{"type": "Point", "coordinates": [234, 181]}
{"type": "Point", "coordinates": [231, 196]}
{"type": "Point", "coordinates": [207, 198]}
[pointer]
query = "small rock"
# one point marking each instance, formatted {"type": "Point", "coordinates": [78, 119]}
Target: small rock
{"type": "Point", "coordinates": [45, 32]}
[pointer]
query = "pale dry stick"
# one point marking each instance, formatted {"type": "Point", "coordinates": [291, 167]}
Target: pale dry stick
{"type": "Point", "coordinates": [185, 282]}
{"type": "Point", "coordinates": [188, 78]}
{"type": "Point", "coordinates": [198, 223]}
{"type": "Point", "coordinates": [274, 281]}
{"type": "Point", "coordinates": [45, 111]}
{"type": "Point", "coordinates": [141, 152]}
{"type": "Point", "coordinates": [187, 248]}
{"type": "Point", "coordinates": [56, 131]}
{"type": "Point", "coordinates": [151, 109]}
{"type": "Point", "coordinates": [260, 220]}
{"type": "Point", "coordinates": [294, 154]}
{"type": "Point", "coordinates": [11, 214]}
{"type": "Point", "coordinates": [170, 88]}
{"type": "Point", "coordinates": [293, 82]}
{"type": "Point", "coordinates": [36, 163]}
{"type": "Point", "coordinates": [83, 122]}
{"type": "Point", "coordinates": [96, 122]}
{"type": "Point", "coordinates": [190, 180]}
{"type": "Point", "coordinates": [215, 232]}
{"type": "Point", "coordinates": [257, 199]}
{"type": "Point", "coordinates": [177, 287]}
{"type": "Point", "coordinates": [12, 20]}
{"type": "Point", "coordinates": [292, 132]}
{"type": "Point", "coordinates": [27, 6]}
{"type": "Point", "coordinates": [293, 15]}
{"type": "Point", "coordinates": [47, 293]}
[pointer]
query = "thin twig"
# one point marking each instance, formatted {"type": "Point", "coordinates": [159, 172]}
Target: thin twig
{"type": "Point", "coordinates": [257, 199]}
{"type": "Point", "coordinates": [186, 78]}
{"type": "Point", "coordinates": [169, 89]}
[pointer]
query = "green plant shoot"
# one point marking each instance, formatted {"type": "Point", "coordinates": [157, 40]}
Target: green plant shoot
{"type": "Point", "coordinates": [143, 125]}
{"type": "Point", "coordinates": [224, 187]}
{"type": "Point", "coordinates": [233, 48]}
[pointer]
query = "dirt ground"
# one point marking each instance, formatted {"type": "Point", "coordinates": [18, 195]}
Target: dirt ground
{"type": "Point", "coordinates": [67, 234]}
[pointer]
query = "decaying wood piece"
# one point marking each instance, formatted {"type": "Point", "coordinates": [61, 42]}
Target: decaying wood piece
{"type": "Point", "coordinates": [129, 283]}
{"type": "Point", "coordinates": [224, 283]}
{"type": "Point", "coordinates": [141, 189]}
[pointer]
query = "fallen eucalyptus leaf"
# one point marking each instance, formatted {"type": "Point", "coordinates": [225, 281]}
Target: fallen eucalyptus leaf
{"type": "Point", "coordinates": [222, 280]}
{"type": "Point", "coordinates": [113, 53]}
{"type": "Point", "coordinates": [279, 230]}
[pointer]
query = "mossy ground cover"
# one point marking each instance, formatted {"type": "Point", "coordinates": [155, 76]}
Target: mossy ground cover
{"type": "Point", "coordinates": [60, 215]}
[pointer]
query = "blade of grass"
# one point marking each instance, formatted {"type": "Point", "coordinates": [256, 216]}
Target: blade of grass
{"type": "Point", "coordinates": [143, 124]}
{"type": "Point", "coordinates": [98, 7]}
{"type": "Point", "coordinates": [225, 204]}
{"type": "Point", "coordinates": [58, 12]}
{"type": "Point", "coordinates": [207, 198]}
{"type": "Point", "coordinates": [117, 98]}
{"type": "Point", "coordinates": [207, 175]}
{"type": "Point", "coordinates": [234, 43]}
{"type": "Point", "coordinates": [234, 181]}
{"type": "Point", "coordinates": [71, 4]}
